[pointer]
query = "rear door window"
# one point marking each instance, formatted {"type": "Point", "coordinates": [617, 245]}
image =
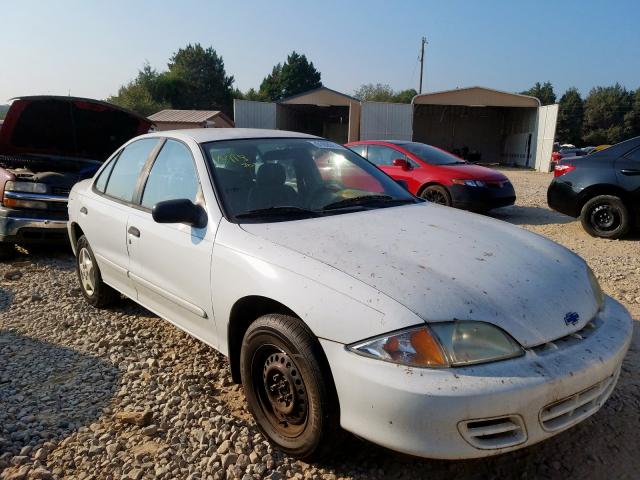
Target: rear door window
{"type": "Point", "coordinates": [172, 177]}
{"type": "Point", "coordinates": [103, 178]}
{"type": "Point", "coordinates": [359, 149]}
{"type": "Point", "coordinates": [124, 176]}
{"type": "Point", "coordinates": [383, 156]}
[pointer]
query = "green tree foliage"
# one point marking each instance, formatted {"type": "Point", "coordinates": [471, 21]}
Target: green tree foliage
{"type": "Point", "coordinates": [570, 117]}
{"type": "Point", "coordinates": [632, 118]}
{"type": "Point", "coordinates": [296, 75]}
{"type": "Point", "coordinates": [3, 111]}
{"type": "Point", "coordinates": [204, 84]}
{"type": "Point", "coordinates": [381, 92]}
{"type": "Point", "coordinates": [196, 79]}
{"type": "Point", "coordinates": [138, 94]}
{"type": "Point", "coordinates": [543, 92]}
{"type": "Point", "coordinates": [605, 109]}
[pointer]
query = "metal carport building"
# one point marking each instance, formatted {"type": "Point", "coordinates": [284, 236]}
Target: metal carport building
{"type": "Point", "coordinates": [322, 111]}
{"type": "Point", "coordinates": [493, 126]}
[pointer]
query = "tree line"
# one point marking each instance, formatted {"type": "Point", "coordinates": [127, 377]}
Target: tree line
{"type": "Point", "coordinates": [196, 79]}
{"type": "Point", "coordinates": [607, 115]}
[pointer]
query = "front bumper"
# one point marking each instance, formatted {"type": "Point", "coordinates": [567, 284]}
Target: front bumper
{"type": "Point", "coordinates": [27, 226]}
{"type": "Point", "coordinates": [430, 412]}
{"type": "Point", "coordinates": [482, 198]}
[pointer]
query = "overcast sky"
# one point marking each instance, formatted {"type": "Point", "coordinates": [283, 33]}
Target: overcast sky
{"type": "Point", "coordinates": [90, 48]}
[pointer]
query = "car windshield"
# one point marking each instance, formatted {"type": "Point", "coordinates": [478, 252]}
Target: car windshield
{"type": "Point", "coordinates": [432, 155]}
{"type": "Point", "coordinates": [270, 179]}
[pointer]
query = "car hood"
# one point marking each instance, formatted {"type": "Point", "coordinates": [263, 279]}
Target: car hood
{"type": "Point", "coordinates": [445, 264]}
{"type": "Point", "coordinates": [68, 127]}
{"type": "Point", "coordinates": [473, 172]}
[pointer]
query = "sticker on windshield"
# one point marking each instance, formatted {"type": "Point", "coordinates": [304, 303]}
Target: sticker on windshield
{"type": "Point", "coordinates": [325, 144]}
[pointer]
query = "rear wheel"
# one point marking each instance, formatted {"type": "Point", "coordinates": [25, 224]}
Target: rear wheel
{"type": "Point", "coordinates": [436, 194]}
{"type": "Point", "coordinates": [289, 387]}
{"type": "Point", "coordinates": [97, 293]}
{"type": "Point", "coordinates": [605, 216]}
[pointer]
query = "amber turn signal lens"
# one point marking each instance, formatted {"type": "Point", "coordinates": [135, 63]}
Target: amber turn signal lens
{"type": "Point", "coordinates": [428, 352]}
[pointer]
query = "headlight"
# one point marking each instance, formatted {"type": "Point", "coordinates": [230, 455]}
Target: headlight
{"type": "Point", "coordinates": [597, 290]}
{"type": "Point", "coordinates": [469, 183]}
{"type": "Point", "coordinates": [442, 344]}
{"type": "Point", "coordinates": [415, 347]}
{"type": "Point", "coordinates": [26, 187]}
{"type": "Point", "coordinates": [469, 342]}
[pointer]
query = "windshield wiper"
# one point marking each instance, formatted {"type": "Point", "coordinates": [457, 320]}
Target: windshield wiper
{"type": "Point", "coordinates": [367, 199]}
{"type": "Point", "coordinates": [279, 211]}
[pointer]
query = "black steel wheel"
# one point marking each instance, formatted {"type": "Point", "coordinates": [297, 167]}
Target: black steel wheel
{"type": "Point", "coordinates": [289, 387]}
{"type": "Point", "coordinates": [436, 194]}
{"type": "Point", "coordinates": [605, 216]}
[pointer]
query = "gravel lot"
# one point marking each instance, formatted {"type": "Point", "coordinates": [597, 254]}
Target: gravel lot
{"type": "Point", "coordinates": [123, 394]}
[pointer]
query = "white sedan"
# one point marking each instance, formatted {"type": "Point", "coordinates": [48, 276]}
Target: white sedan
{"type": "Point", "coordinates": [342, 301]}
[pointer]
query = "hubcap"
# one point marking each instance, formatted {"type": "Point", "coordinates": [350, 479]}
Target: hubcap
{"type": "Point", "coordinates": [434, 196]}
{"type": "Point", "coordinates": [85, 267]}
{"type": "Point", "coordinates": [282, 392]}
{"type": "Point", "coordinates": [605, 217]}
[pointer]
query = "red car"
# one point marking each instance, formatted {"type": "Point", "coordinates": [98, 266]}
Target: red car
{"type": "Point", "coordinates": [438, 176]}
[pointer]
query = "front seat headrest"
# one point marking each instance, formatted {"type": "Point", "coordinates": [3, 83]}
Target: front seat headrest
{"type": "Point", "coordinates": [271, 174]}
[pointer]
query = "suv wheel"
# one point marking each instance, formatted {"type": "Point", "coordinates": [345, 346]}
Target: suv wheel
{"type": "Point", "coordinates": [97, 293]}
{"type": "Point", "coordinates": [289, 387]}
{"type": "Point", "coordinates": [7, 251]}
{"type": "Point", "coordinates": [605, 216]}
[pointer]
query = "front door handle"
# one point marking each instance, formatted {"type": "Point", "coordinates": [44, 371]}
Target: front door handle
{"type": "Point", "coordinates": [134, 231]}
{"type": "Point", "coordinates": [630, 171]}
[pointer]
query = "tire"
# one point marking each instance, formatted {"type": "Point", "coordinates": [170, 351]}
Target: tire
{"type": "Point", "coordinates": [605, 216]}
{"type": "Point", "coordinates": [97, 293]}
{"type": "Point", "coordinates": [7, 251]}
{"type": "Point", "coordinates": [436, 194]}
{"type": "Point", "coordinates": [300, 412]}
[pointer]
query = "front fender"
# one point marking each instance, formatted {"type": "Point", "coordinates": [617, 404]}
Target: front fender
{"type": "Point", "coordinates": [333, 304]}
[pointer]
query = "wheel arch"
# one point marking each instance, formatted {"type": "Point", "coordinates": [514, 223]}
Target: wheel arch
{"type": "Point", "coordinates": [244, 312]}
{"type": "Point", "coordinates": [75, 232]}
{"type": "Point", "coordinates": [431, 184]}
{"type": "Point", "coordinates": [606, 189]}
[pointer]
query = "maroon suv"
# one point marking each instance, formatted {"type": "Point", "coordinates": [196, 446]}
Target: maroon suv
{"type": "Point", "coordinates": [47, 144]}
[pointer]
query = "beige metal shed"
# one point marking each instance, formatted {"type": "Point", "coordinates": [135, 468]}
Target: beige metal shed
{"type": "Point", "coordinates": [181, 119]}
{"type": "Point", "coordinates": [322, 111]}
{"type": "Point", "coordinates": [486, 125]}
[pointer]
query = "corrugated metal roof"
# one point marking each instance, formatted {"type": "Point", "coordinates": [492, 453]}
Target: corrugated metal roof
{"type": "Point", "coordinates": [187, 116]}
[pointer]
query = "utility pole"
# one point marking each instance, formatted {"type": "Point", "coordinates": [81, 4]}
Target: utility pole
{"type": "Point", "coordinates": [424, 42]}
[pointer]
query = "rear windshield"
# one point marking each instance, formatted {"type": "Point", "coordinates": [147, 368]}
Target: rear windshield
{"type": "Point", "coordinates": [432, 155]}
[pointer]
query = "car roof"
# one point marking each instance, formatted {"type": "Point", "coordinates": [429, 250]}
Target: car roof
{"type": "Point", "coordinates": [203, 135]}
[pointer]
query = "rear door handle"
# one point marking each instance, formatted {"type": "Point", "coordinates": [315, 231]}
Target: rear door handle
{"type": "Point", "coordinates": [630, 171]}
{"type": "Point", "coordinates": [133, 231]}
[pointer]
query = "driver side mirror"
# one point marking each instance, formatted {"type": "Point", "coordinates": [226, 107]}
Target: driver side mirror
{"type": "Point", "coordinates": [402, 163]}
{"type": "Point", "coordinates": [179, 211]}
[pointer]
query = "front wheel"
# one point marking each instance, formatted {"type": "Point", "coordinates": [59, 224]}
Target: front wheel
{"type": "Point", "coordinates": [605, 216]}
{"type": "Point", "coordinates": [97, 293]}
{"type": "Point", "coordinates": [436, 194]}
{"type": "Point", "coordinates": [289, 387]}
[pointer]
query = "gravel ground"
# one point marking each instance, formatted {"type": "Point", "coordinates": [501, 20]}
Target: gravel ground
{"type": "Point", "coordinates": [122, 394]}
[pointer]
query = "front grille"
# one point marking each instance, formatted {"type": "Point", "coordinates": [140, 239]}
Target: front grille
{"type": "Point", "coordinates": [497, 184]}
{"type": "Point", "coordinates": [60, 191]}
{"type": "Point", "coordinates": [499, 432]}
{"type": "Point", "coordinates": [569, 340]}
{"type": "Point", "coordinates": [577, 407]}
